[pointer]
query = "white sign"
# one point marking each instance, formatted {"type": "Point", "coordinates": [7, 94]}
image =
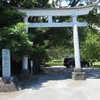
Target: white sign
{"type": "Point", "coordinates": [31, 63]}
{"type": "Point", "coordinates": [6, 69]}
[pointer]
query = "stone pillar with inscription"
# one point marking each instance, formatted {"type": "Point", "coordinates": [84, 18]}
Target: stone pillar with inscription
{"type": "Point", "coordinates": [6, 67]}
{"type": "Point", "coordinates": [8, 83]}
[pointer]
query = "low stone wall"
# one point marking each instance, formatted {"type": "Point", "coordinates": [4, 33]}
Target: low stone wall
{"type": "Point", "coordinates": [9, 84]}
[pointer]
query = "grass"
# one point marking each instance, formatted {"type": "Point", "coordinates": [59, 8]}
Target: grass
{"type": "Point", "coordinates": [55, 62]}
{"type": "Point", "coordinates": [96, 64]}
{"type": "Point", "coordinates": [60, 63]}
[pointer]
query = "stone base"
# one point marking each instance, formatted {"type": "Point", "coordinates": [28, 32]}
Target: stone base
{"type": "Point", "coordinates": [78, 74]}
{"type": "Point", "coordinates": [9, 84]}
{"type": "Point", "coordinates": [78, 70]}
{"type": "Point", "coordinates": [25, 71]}
{"type": "Point", "coordinates": [25, 78]}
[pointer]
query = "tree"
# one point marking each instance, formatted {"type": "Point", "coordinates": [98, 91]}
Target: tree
{"type": "Point", "coordinates": [39, 55]}
{"type": "Point", "coordinates": [16, 40]}
{"type": "Point", "coordinates": [29, 3]}
{"type": "Point", "coordinates": [9, 16]}
{"type": "Point", "coordinates": [91, 47]}
{"type": "Point", "coordinates": [58, 52]}
{"type": "Point", "coordinates": [12, 32]}
{"type": "Point", "coordinates": [45, 3]}
{"type": "Point", "coordinates": [13, 36]}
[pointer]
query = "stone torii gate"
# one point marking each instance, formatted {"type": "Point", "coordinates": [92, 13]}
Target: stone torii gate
{"type": "Point", "coordinates": [73, 12]}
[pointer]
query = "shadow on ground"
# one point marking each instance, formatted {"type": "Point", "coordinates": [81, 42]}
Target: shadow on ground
{"type": "Point", "coordinates": [92, 73]}
{"type": "Point", "coordinates": [57, 74]}
{"type": "Point", "coordinates": [49, 74]}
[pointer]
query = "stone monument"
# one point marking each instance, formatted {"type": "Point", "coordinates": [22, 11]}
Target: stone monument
{"type": "Point", "coordinates": [8, 83]}
{"type": "Point", "coordinates": [6, 67]}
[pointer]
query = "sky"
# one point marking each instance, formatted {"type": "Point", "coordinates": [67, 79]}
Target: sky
{"type": "Point", "coordinates": [63, 3]}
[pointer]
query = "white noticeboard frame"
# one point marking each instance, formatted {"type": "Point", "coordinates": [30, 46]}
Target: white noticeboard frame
{"type": "Point", "coordinates": [6, 66]}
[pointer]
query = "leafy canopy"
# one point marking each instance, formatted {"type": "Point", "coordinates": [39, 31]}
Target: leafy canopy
{"type": "Point", "coordinates": [16, 40]}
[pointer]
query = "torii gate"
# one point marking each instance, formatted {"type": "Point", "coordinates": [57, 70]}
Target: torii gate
{"type": "Point", "coordinates": [73, 12]}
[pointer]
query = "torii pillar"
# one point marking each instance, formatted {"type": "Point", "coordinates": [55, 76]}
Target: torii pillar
{"type": "Point", "coordinates": [25, 73]}
{"type": "Point", "coordinates": [25, 69]}
{"type": "Point", "coordinates": [78, 74]}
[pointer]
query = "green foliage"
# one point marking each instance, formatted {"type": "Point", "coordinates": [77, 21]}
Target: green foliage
{"type": "Point", "coordinates": [34, 3]}
{"type": "Point", "coordinates": [16, 40]}
{"type": "Point", "coordinates": [27, 4]}
{"type": "Point", "coordinates": [96, 64]}
{"type": "Point", "coordinates": [91, 47]}
{"type": "Point", "coordinates": [57, 52]}
{"type": "Point", "coordinates": [41, 3]}
{"type": "Point", "coordinates": [57, 63]}
{"type": "Point", "coordinates": [92, 18]}
{"type": "Point", "coordinates": [39, 55]}
{"type": "Point", "coordinates": [89, 37]}
{"type": "Point", "coordinates": [60, 36]}
{"type": "Point", "coordinates": [9, 16]}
